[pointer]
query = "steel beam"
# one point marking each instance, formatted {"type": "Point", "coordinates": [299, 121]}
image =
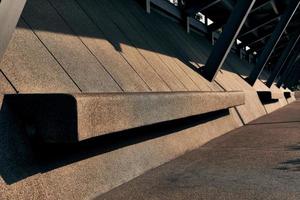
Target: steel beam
{"type": "Point", "coordinates": [259, 26]}
{"type": "Point", "coordinates": [10, 12]}
{"type": "Point", "coordinates": [282, 59]}
{"type": "Point", "coordinates": [272, 42]}
{"type": "Point", "coordinates": [257, 40]}
{"type": "Point", "coordinates": [193, 8]}
{"type": "Point", "coordinates": [289, 68]}
{"type": "Point", "coordinates": [229, 4]}
{"type": "Point", "coordinates": [293, 76]}
{"type": "Point", "coordinates": [274, 6]}
{"type": "Point", "coordinates": [227, 38]}
{"type": "Point", "coordinates": [148, 6]}
{"type": "Point", "coordinates": [260, 6]}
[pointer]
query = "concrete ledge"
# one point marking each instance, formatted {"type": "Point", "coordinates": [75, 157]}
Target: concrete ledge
{"type": "Point", "coordinates": [290, 96]}
{"type": "Point", "coordinates": [269, 96]}
{"type": "Point", "coordinates": [76, 117]}
{"type": "Point", "coordinates": [287, 95]}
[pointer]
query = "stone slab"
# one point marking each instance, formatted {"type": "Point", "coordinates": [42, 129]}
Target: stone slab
{"type": "Point", "coordinates": [76, 117]}
{"type": "Point", "coordinates": [145, 42]}
{"type": "Point", "coordinates": [269, 96]}
{"type": "Point", "coordinates": [97, 42]}
{"type": "Point", "coordinates": [171, 55]}
{"type": "Point", "coordinates": [253, 108]}
{"type": "Point", "coordinates": [100, 15]}
{"type": "Point", "coordinates": [287, 94]}
{"type": "Point", "coordinates": [290, 96]}
{"type": "Point", "coordinates": [30, 67]}
{"type": "Point", "coordinates": [68, 50]}
{"type": "Point", "coordinates": [5, 86]}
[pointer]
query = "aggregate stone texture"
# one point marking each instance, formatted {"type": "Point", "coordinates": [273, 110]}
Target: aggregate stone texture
{"type": "Point", "coordinates": [96, 41]}
{"type": "Point", "coordinates": [67, 48]}
{"type": "Point", "coordinates": [100, 14]}
{"type": "Point", "coordinates": [30, 67]}
{"type": "Point", "coordinates": [257, 161]}
{"type": "Point", "coordinates": [74, 117]}
{"type": "Point", "coordinates": [31, 170]}
{"type": "Point", "coordinates": [10, 12]}
{"type": "Point", "coordinates": [6, 87]}
{"type": "Point", "coordinates": [73, 46]}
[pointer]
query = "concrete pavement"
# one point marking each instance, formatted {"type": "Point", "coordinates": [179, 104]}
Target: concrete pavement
{"type": "Point", "coordinates": [258, 161]}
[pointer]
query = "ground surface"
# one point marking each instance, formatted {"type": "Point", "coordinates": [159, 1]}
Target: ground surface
{"type": "Point", "coordinates": [258, 161]}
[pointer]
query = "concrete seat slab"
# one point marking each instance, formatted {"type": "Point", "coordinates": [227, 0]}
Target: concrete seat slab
{"type": "Point", "coordinates": [76, 117]}
{"type": "Point", "coordinates": [268, 97]}
{"type": "Point", "coordinates": [288, 94]}
{"type": "Point", "coordinates": [271, 94]}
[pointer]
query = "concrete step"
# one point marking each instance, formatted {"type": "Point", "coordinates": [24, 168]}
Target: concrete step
{"type": "Point", "coordinates": [77, 117]}
{"type": "Point", "coordinates": [288, 95]}
{"type": "Point", "coordinates": [267, 97]}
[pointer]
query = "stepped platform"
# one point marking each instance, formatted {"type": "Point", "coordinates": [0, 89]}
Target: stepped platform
{"type": "Point", "coordinates": [257, 161]}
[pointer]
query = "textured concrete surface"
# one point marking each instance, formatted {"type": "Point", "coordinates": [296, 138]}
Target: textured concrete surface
{"type": "Point", "coordinates": [76, 117]}
{"type": "Point", "coordinates": [6, 87]}
{"type": "Point", "coordinates": [69, 46]}
{"type": "Point", "coordinates": [257, 161]}
{"type": "Point", "coordinates": [276, 93]}
{"type": "Point", "coordinates": [115, 46]}
{"type": "Point", "coordinates": [67, 49]}
{"type": "Point", "coordinates": [10, 12]}
{"type": "Point", "coordinates": [100, 14]}
{"type": "Point", "coordinates": [96, 41]}
{"type": "Point", "coordinates": [269, 96]}
{"type": "Point", "coordinates": [92, 167]}
{"type": "Point", "coordinates": [253, 108]}
{"type": "Point", "coordinates": [30, 67]}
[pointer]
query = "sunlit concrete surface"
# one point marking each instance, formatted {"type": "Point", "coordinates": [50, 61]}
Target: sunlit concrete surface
{"type": "Point", "coordinates": [257, 161]}
{"type": "Point", "coordinates": [93, 47]}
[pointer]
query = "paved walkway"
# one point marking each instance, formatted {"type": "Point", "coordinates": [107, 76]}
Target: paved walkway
{"type": "Point", "coordinates": [258, 161]}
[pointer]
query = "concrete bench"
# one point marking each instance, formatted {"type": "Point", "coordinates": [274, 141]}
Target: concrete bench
{"type": "Point", "coordinates": [288, 95]}
{"type": "Point", "coordinates": [76, 117]}
{"type": "Point", "coordinates": [269, 96]}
